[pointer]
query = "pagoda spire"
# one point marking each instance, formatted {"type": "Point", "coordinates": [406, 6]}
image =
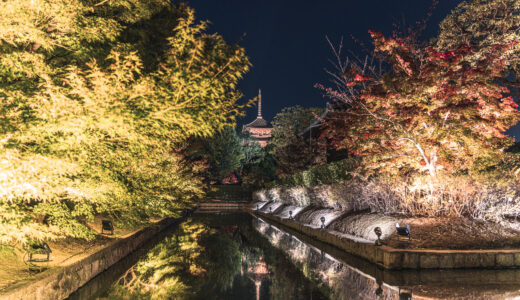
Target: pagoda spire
{"type": "Point", "coordinates": [259, 103]}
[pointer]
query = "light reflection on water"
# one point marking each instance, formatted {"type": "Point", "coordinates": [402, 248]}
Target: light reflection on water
{"type": "Point", "coordinates": [348, 277]}
{"type": "Point", "coordinates": [237, 256]}
{"type": "Point", "coordinates": [214, 257]}
{"type": "Point", "coordinates": [343, 281]}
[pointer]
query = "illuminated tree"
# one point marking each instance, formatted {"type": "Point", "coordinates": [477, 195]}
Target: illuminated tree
{"type": "Point", "coordinates": [483, 24]}
{"type": "Point", "coordinates": [225, 153]}
{"type": "Point", "coordinates": [92, 122]}
{"type": "Point", "coordinates": [258, 166]}
{"type": "Point", "coordinates": [431, 110]}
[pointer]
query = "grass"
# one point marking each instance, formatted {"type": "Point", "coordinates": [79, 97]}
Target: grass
{"type": "Point", "coordinates": [13, 269]}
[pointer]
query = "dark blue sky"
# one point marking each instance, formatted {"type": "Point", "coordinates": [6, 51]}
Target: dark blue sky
{"type": "Point", "coordinates": [285, 39]}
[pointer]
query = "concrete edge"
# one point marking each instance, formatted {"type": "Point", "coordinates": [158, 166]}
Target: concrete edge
{"type": "Point", "coordinates": [396, 259]}
{"type": "Point", "coordinates": [60, 282]}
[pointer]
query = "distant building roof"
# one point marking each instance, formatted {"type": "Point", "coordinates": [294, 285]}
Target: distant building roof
{"type": "Point", "coordinates": [259, 122]}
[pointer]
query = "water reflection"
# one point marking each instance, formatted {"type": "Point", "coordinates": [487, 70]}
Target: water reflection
{"type": "Point", "coordinates": [236, 256]}
{"type": "Point", "coordinates": [342, 281]}
{"type": "Point", "coordinates": [346, 277]}
{"type": "Point", "coordinates": [214, 257]}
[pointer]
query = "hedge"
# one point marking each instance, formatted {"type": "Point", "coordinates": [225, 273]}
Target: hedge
{"type": "Point", "coordinates": [325, 174]}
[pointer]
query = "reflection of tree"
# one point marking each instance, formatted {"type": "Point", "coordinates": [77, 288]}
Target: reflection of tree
{"type": "Point", "coordinates": [222, 260]}
{"type": "Point", "coordinates": [288, 282]}
{"type": "Point", "coordinates": [227, 260]}
{"type": "Point", "coordinates": [168, 269]}
{"type": "Point", "coordinates": [196, 261]}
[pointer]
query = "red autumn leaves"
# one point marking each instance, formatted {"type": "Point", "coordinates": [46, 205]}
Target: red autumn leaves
{"type": "Point", "coordinates": [359, 78]}
{"type": "Point", "coordinates": [450, 108]}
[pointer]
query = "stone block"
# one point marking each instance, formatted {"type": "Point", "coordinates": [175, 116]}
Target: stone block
{"type": "Point", "coordinates": [410, 260]}
{"type": "Point", "coordinates": [505, 260]}
{"type": "Point", "coordinates": [379, 255]}
{"type": "Point", "coordinates": [429, 261]}
{"type": "Point", "coordinates": [487, 260]}
{"type": "Point", "coordinates": [446, 261]}
{"type": "Point", "coordinates": [392, 260]}
{"type": "Point", "coordinates": [471, 260]}
{"type": "Point", "coordinates": [517, 259]}
{"type": "Point", "coordinates": [368, 251]}
{"type": "Point", "coordinates": [458, 261]}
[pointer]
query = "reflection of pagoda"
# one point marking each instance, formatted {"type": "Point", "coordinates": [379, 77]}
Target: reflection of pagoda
{"type": "Point", "coordinates": [257, 274]}
{"type": "Point", "coordinates": [259, 129]}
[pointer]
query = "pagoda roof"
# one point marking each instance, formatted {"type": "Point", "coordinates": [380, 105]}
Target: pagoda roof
{"type": "Point", "coordinates": [258, 123]}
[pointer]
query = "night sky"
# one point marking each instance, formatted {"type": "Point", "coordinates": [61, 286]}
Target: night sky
{"type": "Point", "coordinates": [285, 39]}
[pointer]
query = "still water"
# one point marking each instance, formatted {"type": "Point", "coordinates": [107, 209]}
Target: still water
{"type": "Point", "coordinates": [237, 256]}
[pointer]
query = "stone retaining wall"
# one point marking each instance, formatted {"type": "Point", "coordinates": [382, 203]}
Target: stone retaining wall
{"type": "Point", "coordinates": [395, 259]}
{"type": "Point", "coordinates": [215, 207]}
{"type": "Point", "coordinates": [60, 282]}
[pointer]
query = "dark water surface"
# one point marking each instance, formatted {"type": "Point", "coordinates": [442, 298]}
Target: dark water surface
{"type": "Point", "coordinates": [237, 256]}
{"type": "Point", "coordinates": [208, 256]}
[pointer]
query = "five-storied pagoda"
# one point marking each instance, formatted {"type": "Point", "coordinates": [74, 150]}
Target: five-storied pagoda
{"type": "Point", "coordinates": [259, 129]}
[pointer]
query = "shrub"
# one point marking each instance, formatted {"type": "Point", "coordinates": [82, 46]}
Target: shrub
{"type": "Point", "coordinates": [334, 172]}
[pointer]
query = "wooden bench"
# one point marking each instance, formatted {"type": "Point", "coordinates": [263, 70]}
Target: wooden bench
{"type": "Point", "coordinates": [38, 248]}
{"type": "Point", "coordinates": [106, 225]}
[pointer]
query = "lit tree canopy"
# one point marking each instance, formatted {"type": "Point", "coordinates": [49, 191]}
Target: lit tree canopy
{"type": "Point", "coordinates": [431, 110]}
{"type": "Point", "coordinates": [92, 122]}
{"type": "Point", "coordinates": [483, 24]}
{"type": "Point", "coordinates": [225, 153]}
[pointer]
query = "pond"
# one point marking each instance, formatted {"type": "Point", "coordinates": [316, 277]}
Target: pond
{"type": "Point", "coordinates": [238, 256]}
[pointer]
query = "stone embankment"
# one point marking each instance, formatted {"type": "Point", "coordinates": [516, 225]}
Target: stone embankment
{"type": "Point", "coordinates": [385, 256]}
{"type": "Point", "coordinates": [220, 206]}
{"type": "Point", "coordinates": [60, 282]}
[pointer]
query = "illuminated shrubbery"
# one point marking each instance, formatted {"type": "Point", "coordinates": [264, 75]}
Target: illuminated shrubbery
{"type": "Point", "coordinates": [325, 174]}
{"type": "Point", "coordinates": [488, 196]}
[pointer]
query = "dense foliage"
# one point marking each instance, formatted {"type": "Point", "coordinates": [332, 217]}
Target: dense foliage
{"type": "Point", "coordinates": [294, 152]}
{"type": "Point", "coordinates": [483, 24]}
{"type": "Point", "coordinates": [259, 166]}
{"type": "Point", "coordinates": [95, 121]}
{"type": "Point", "coordinates": [431, 110]}
{"type": "Point", "coordinates": [334, 172]}
{"type": "Point", "coordinates": [235, 158]}
{"type": "Point", "coordinates": [225, 153]}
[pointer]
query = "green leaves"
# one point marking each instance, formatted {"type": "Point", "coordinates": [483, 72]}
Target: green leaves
{"type": "Point", "coordinates": [293, 152]}
{"type": "Point", "coordinates": [90, 124]}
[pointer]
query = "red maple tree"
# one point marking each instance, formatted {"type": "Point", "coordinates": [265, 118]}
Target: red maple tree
{"type": "Point", "coordinates": [428, 111]}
